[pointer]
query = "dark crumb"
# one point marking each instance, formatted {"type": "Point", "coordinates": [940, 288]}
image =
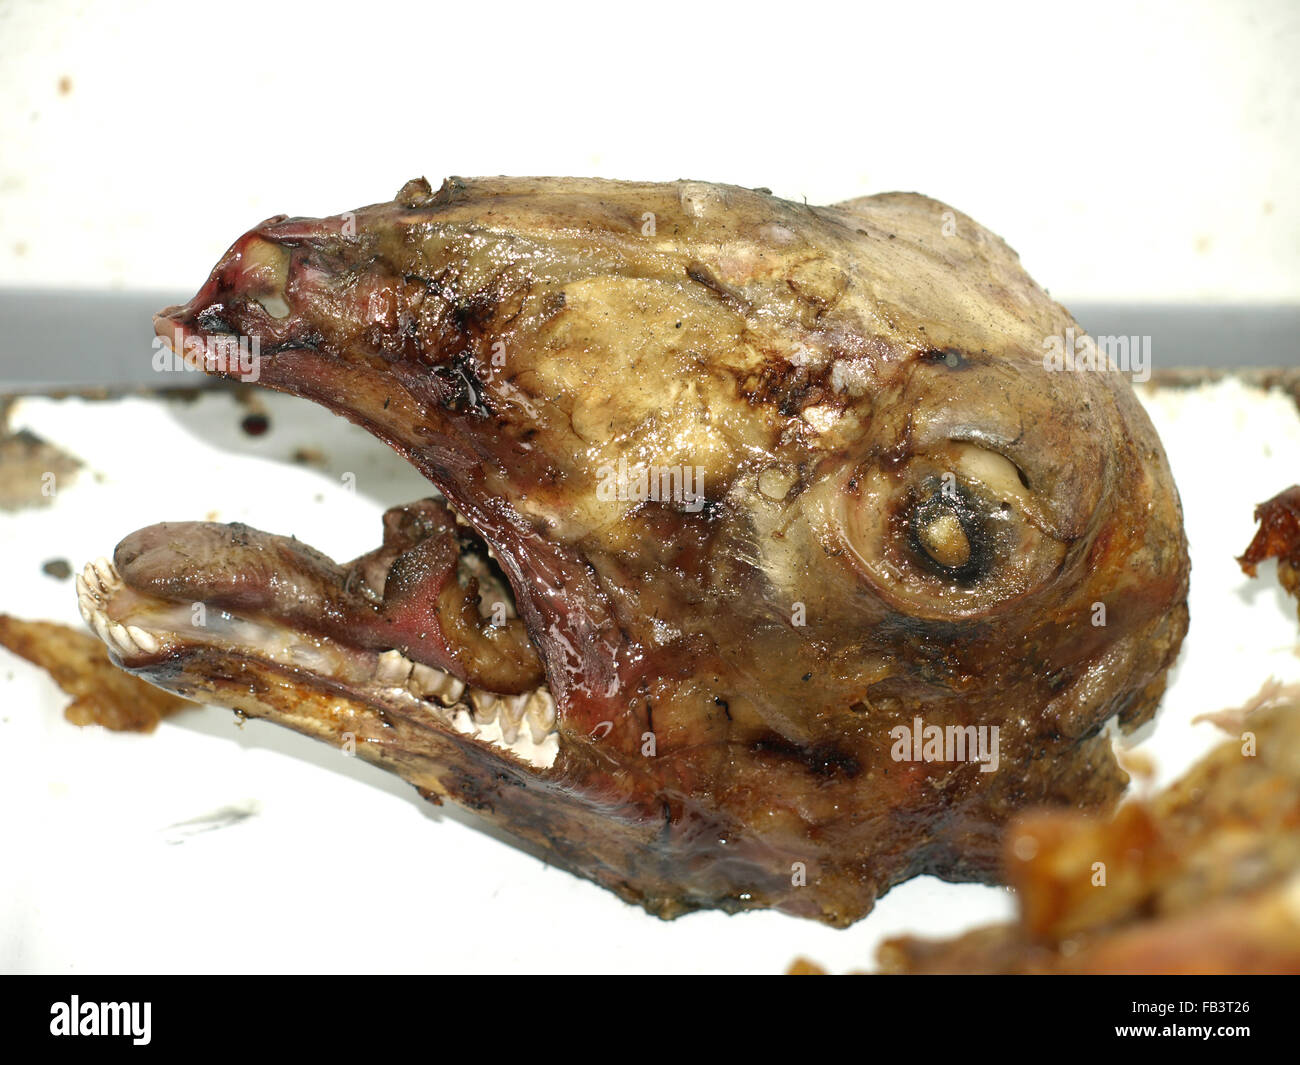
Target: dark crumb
{"type": "Point", "coordinates": [255, 424]}
{"type": "Point", "coordinates": [309, 456]}
{"type": "Point", "coordinates": [58, 568]}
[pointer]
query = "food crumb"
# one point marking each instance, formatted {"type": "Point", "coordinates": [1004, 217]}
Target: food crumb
{"type": "Point", "coordinates": [33, 472]}
{"type": "Point", "coordinates": [79, 663]}
{"type": "Point", "coordinates": [57, 568]}
{"type": "Point", "coordinates": [255, 424]}
{"type": "Point", "coordinates": [309, 456]}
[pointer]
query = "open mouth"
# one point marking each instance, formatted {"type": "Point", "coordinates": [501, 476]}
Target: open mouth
{"type": "Point", "coordinates": [423, 626]}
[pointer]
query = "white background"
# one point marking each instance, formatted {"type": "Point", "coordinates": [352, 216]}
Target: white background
{"type": "Point", "coordinates": [1129, 152]}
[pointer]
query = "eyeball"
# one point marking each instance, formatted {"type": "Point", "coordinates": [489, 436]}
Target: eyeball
{"type": "Point", "coordinates": [950, 533]}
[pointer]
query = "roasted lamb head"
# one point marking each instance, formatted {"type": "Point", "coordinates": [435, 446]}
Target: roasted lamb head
{"type": "Point", "coordinates": [772, 560]}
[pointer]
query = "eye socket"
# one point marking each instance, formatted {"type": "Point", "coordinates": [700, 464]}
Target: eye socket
{"type": "Point", "coordinates": [949, 533]}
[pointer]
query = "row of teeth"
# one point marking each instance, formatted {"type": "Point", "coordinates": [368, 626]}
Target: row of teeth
{"type": "Point", "coordinates": [509, 712]}
{"type": "Point", "coordinates": [95, 584]}
{"type": "Point", "coordinates": [523, 724]}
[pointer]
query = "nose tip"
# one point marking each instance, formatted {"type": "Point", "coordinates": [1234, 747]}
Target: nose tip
{"type": "Point", "coordinates": [171, 320]}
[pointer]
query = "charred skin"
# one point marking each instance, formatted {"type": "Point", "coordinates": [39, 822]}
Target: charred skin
{"type": "Point", "coordinates": [903, 514]}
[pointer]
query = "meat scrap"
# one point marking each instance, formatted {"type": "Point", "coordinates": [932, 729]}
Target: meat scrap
{"type": "Point", "coordinates": [79, 663]}
{"type": "Point", "coordinates": [1204, 878]}
{"type": "Point", "coordinates": [1278, 537]}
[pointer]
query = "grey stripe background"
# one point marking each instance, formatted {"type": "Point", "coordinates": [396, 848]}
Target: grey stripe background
{"type": "Point", "coordinates": [55, 340]}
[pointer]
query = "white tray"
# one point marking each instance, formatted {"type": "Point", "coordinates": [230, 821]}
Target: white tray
{"type": "Point", "coordinates": [342, 867]}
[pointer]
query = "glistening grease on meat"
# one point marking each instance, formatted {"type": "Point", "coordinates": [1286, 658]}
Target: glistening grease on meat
{"type": "Point", "coordinates": [737, 497]}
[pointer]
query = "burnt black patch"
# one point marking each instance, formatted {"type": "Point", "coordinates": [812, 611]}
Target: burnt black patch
{"type": "Point", "coordinates": [958, 504]}
{"type": "Point", "coordinates": [897, 628]}
{"type": "Point", "coordinates": [788, 387]}
{"type": "Point", "coordinates": [949, 357]}
{"type": "Point", "coordinates": [312, 340]}
{"type": "Point", "coordinates": [822, 759]}
{"type": "Point", "coordinates": [211, 320]}
{"type": "Point", "coordinates": [239, 534]}
{"type": "Point", "coordinates": [459, 387]}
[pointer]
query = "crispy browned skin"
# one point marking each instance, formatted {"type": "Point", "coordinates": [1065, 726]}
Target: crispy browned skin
{"type": "Point", "coordinates": [79, 664]}
{"type": "Point", "coordinates": [1204, 878]}
{"type": "Point", "coordinates": [1278, 537]}
{"type": "Point", "coordinates": [829, 370]}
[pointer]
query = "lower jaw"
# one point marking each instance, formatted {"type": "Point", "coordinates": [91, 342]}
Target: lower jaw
{"type": "Point", "coordinates": [155, 636]}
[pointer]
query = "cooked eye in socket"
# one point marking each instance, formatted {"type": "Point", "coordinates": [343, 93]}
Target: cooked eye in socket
{"type": "Point", "coordinates": [950, 533]}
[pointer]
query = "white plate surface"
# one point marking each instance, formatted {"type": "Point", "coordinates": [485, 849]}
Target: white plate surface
{"type": "Point", "coordinates": [342, 867]}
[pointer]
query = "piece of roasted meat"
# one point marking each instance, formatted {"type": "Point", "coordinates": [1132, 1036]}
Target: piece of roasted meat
{"type": "Point", "coordinates": [772, 560]}
{"type": "Point", "coordinates": [1278, 537]}
{"type": "Point", "coordinates": [1203, 878]}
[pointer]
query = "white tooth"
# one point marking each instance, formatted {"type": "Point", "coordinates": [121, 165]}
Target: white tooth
{"type": "Point", "coordinates": [85, 601]}
{"type": "Point", "coordinates": [452, 689]}
{"type": "Point", "coordinates": [90, 580]}
{"type": "Point", "coordinates": [424, 680]}
{"type": "Point", "coordinates": [393, 668]}
{"type": "Point", "coordinates": [485, 707]}
{"type": "Point", "coordinates": [120, 638]}
{"type": "Point", "coordinates": [512, 713]}
{"type": "Point", "coordinates": [142, 639]}
{"type": "Point", "coordinates": [100, 624]}
{"type": "Point", "coordinates": [541, 714]}
{"type": "Point", "coordinates": [545, 754]}
{"type": "Point", "coordinates": [105, 572]}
